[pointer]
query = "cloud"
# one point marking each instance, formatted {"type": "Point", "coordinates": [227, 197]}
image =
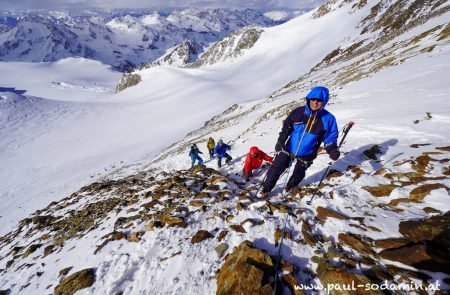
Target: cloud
{"type": "Point", "coordinates": [108, 4]}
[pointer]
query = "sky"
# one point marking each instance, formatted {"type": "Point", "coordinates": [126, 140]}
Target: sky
{"type": "Point", "coordinates": [108, 4]}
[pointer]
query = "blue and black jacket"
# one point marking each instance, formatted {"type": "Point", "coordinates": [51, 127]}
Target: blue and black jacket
{"type": "Point", "coordinates": [193, 153]}
{"type": "Point", "coordinates": [221, 150]}
{"type": "Point", "coordinates": [319, 126]}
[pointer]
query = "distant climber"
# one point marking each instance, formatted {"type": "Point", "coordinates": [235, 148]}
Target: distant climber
{"type": "Point", "coordinates": [221, 152]}
{"type": "Point", "coordinates": [210, 145]}
{"type": "Point", "coordinates": [254, 160]}
{"type": "Point", "coordinates": [303, 131]}
{"type": "Point", "coordinates": [194, 155]}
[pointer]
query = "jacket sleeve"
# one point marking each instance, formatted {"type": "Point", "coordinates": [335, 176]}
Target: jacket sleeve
{"type": "Point", "coordinates": [331, 135]}
{"type": "Point", "coordinates": [227, 147]}
{"type": "Point", "coordinates": [248, 164]}
{"type": "Point", "coordinates": [266, 157]}
{"type": "Point", "coordinates": [285, 132]}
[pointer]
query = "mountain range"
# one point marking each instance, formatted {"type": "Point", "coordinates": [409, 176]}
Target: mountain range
{"type": "Point", "coordinates": [123, 39]}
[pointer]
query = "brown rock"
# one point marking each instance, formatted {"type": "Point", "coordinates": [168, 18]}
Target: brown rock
{"type": "Point", "coordinates": [202, 195]}
{"type": "Point", "coordinates": [292, 284]}
{"type": "Point", "coordinates": [196, 203]}
{"type": "Point", "coordinates": [419, 193]}
{"type": "Point", "coordinates": [391, 243]}
{"type": "Point", "coordinates": [356, 243]}
{"type": "Point", "coordinates": [31, 249]}
{"type": "Point", "coordinates": [395, 202]}
{"type": "Point", "coordinates": [430, 210]}
{"type": "Point", "coordinates": [339, 278]}
{"type": "Point", "coordinates": [240, 206]}
{"type": "Point", "coordinates": [310, 239]}
{"type": "Point", "coordinates": [237, 228]}
{"type": "Point", "coordinates": [200, 236]}
{"type": "Point", "coordinates": [333, 174]}
{"type": "Point", "coordinates": [118, 235]}
{"type": "Point", "coordinates": [173, 221]}
{"type": "Point", "coordinates": [435, 228]}
{"type": "Point", "coordinates": [254, 263]}
{"type": "Point", "coordinates": [48, 250]}
{"type": "Point", "coordinates": [65, 271]}
{"type": "Point", "coordinates": [446, 170]}
{"type": "Point", "coordinates": [222, 235]}
{"type": "Point", "coordinates": [253, 221]}
{"type": "Point", "coordinates": [421, 164]}
{"type": "Point", "coordinates": [397, 271]}
{"type": "Point", "coordinates": [151, 204]}
{"type": "Point", "coordinates": [279, 233]}
{"type": "Point", "coordinates": [77, 281]}
{"type": "Point", "coordinates": [229, 218]}
{"type": "Point", "coordinates": [377, 274]}
{"type": "Point", "coordinates": [324, 213]}
{"type": "Point", "coordinates": [418, 256]}
{"type": "Point", "coordinates": [382, 190]}
{"type": "Point", "coordinates": [135, 237]}
{"type": "Point", "coordinates": [358, 172]}
{"type": "Point", "coordinates": [443, 148]}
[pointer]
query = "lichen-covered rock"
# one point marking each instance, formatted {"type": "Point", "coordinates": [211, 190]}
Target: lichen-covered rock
{"type": "Point", "coordinates": [220, 249]}
{"type": "Point", "coordinates": [248, 270]}
{"type": "Point", "coordinates": [77, 281]}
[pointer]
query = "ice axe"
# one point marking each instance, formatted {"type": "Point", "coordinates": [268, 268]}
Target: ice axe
{"type": "Point", "coordinates": [345, 131]}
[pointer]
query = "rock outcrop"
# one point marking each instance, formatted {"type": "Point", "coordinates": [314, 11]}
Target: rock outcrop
{"type": "Point", "coordinates": [248, 270]}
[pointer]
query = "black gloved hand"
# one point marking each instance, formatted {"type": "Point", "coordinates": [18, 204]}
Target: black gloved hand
{"type": "Point", "coordinates": [334, 154]}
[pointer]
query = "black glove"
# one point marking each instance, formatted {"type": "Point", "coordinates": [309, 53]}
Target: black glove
{"type": "Point", "coordinates": [334, 154]}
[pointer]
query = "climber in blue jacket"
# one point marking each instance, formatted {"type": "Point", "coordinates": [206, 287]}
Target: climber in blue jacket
{"type": "Point", "coordinates": [221, 152]}
{"type": "Point", "coordinates": [193, 153]}
{"type": "Point", "coordinates": [303, 131]}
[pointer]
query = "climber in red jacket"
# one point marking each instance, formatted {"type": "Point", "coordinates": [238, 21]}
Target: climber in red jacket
{"type": "Point", "coordinates": [254, 160]}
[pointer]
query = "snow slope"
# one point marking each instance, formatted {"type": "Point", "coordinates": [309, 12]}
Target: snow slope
{"type": "Point", "coordinates": [122, 123]}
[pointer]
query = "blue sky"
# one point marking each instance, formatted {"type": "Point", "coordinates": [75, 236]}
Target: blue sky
{"type": "Point", "coordinates": [256, 4]}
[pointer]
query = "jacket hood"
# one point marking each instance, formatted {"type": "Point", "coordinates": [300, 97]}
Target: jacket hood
{"type": "Point", "coordinates": [254, 150]}
{"type": "Point", "coordinates": [319, 92]}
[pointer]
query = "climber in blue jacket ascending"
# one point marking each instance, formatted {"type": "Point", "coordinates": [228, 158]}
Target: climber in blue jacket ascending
{"type": "Point", "coordinates": [221, 152]}
{"type": "Point", "coordinates": [303, 131]}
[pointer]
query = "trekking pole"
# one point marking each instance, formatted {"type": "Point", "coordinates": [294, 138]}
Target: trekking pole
{"type": "Point", "coordinates": [345, 131]}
